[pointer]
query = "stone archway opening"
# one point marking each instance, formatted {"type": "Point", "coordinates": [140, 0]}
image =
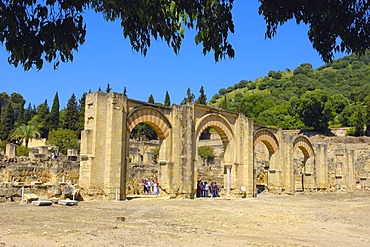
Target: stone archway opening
{"type": "Point", "coordinates": [303, 165]}
{"type": "Point", "coordinates": [210, 165]}
{"type": "Point", "coordinates": [143, 167]}
{"type": "Point", "coordinates": [261, 167]}
{"type": "Point", "coordinates": [265, 176]}
{"type": "Point", "coordinates": [221, 131]}
{"type": "Point", "coordinates": [148, 130]}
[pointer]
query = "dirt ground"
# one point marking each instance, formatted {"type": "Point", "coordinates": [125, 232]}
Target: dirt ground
{"type": "Point", "coordinates": [337, 219]}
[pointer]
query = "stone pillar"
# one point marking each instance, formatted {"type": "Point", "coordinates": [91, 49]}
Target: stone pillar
{"type": "Point", "coordinates": [10, 150]}
{"type": "Point", "coordinates": [228, 179]}
{"type": "Point", "coordinates": [350, 176]}
{"type": "Point", "coordinates": [248, 157]}
{"type": "Point", "coordinates": [321, 171]}
{"type": "Point", "coordinates": [44, 150]}
{"type": "Point", "coordinates": [288, 171]}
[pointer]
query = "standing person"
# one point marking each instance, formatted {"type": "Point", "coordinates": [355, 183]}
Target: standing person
{"type": "Point", "coordinates": [213, 189]}
{"type": "Point", "coordinates": [143, 183]}
{"type": "Point", "coordinates": [201, 189]}
{"type": "Point", "coordinates": [216, 190]}
{"type": "Point", "coordinates": [198, 189]}
{"type": "Point", "coordinates": [206, 188]}
{"type": "Point", "coordinates": [154, 188]}
{"type": "Point", "coordinates": [148, 186]}
{"type": "Point", "coordinates": [157, 186]}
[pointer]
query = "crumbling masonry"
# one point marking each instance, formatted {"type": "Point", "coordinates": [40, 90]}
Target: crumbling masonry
{"type": "Point", "coordinates": [292, 163]}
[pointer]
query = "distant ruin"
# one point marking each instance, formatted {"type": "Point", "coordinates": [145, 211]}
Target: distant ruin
{"type": "Point", "coordinates": [249, 158]}
{"type": "Point", "coordinates": [254, 157]}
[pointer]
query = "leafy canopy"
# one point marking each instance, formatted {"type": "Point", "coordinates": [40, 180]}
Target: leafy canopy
{"type": "Point", "coordinates": [52, 30]}
{"type": "Point", "coordinates": [329, 21]}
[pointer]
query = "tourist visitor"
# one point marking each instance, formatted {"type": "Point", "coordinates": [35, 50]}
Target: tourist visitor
{"type": "Point", "coordinates": [206, 189]}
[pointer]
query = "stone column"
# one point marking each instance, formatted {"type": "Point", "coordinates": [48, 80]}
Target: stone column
{"type": "Point", "coordinates": [10, 150]}
{"type": "Point", "coordinates": [228, 179]}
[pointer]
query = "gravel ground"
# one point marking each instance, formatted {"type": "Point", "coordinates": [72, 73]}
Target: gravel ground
{"type": "Point", "coordinates": [337, 219]}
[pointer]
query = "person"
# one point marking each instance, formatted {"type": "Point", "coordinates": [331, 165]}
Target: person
{"type": "Point", "coordinates": [154, 188]}
{"type": "Point", "coordinates": [201, 189]}
{"type": "Point", "coordinates": [213, 189]}
{"type": "Point", "coordinates": [216, 189]}
{"type": "Point", "coordinates": [157, 186]}
{"type": "Point", "coordinates": [143, 183]}
{"type": "Point", "coordinates": [148, 186]}
{"type": "Point", "coordinates": [198, 189]}
{"type": "Point", "coordinates": [206, 188]}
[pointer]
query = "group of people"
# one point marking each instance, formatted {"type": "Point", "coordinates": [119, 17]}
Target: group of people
{"type": "Point", "coordinates": [150, 187]}
{"type": "Point", "coordinates": [205, 190]}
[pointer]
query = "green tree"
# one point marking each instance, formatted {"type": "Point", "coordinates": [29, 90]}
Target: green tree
{"type": "Point", "coordinates": [4, 97]}
{"type": "Point", "coordinates": [189, 97]}
{"type": "Point", "coordinates": [43, 115]}
{"type": "Point", "coordinates": [51, 31]}
{"type": "Point", "coordinates": [151, 99]}
{"type": "Point", "coordinates": [224, 104]}
{"type": "Point", "coordinates": [30, 112]}
{"type": "Point", "coordinates": [81, 115]}
{"type": "Point", "coordinates": [7, 122]}
{"type": "Point", "coordinates": [25, 133]}
{"type": "Point", "coordinates": [71, 117]}
{"type": "Point", "coordinates": [54, 114]}
{"type": "Point", "coordinates": [202, 99]}
{"type": "Point", "coordinates": [167, 100]}
{"type": "Point", "coordinates": [206, 153]}
{"type": "Point", "coordinates": [328, 21]}
{"type": "Point", "coordinates": [63, 139]}
{"type": "Point", "coordinates": [315, 110]}
{"type": "Point", "coordinates": [143, 129]}
{"type": "Point", "coordinates": [108, 88]}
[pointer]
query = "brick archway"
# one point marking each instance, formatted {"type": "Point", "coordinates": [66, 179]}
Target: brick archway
{"type": "Point", "coordinates": [304, 145]}
{"type": "Point", "coordinates": [219, 123]}
{"type": "Point", "coordinates": [152, 117]}
{"type": "Point", "coordinates": [266, 137]}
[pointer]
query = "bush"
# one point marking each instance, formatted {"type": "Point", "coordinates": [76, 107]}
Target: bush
{"type": "Point", "coordinates": [22, 151]}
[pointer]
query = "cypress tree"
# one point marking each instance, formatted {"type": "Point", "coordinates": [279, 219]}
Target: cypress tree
{"type": "Point", "coordinates": [151, 99]}
{"type": "Point", "coordinates": [71, 118]}
{"type": "Point", "coordinates": [167, 100]}
{"type": "Point", "coordinates": [7, 123]}
{"type": "Point", "coordinates": [81, 119]}
{"type": "Point", "coordinates": [189, 97]}
{"type": "Point", "coordinates": [108, 88]}
{"type": "Point", "coordinates": [54, 114]}
{"type": "Point", "coordinates": [224, 103]}
{"type": "Point", "coordinates": [43, 115]}
{"type": "Point", "coordinates": [202, 97]}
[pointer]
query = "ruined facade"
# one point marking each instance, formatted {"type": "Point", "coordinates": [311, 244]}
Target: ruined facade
{"type": "Point", "coordinates": [254, 156]}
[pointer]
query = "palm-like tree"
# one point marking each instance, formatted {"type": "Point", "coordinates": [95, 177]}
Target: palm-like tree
{"type": "Point", "coordinates": [26, 132]}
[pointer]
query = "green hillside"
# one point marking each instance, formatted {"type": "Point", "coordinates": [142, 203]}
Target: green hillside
{"type": "Point", "coordinates": [334, 95]}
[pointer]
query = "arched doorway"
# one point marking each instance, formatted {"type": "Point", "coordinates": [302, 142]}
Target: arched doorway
{"type": "Point", "coordinates": [265, 146]}
{"type": "Point", "coordinates": [220, 129]}
{"type": "Point", "coordinates": [143, 169]}
{"type": "Point", "coordinates": [303, 165]}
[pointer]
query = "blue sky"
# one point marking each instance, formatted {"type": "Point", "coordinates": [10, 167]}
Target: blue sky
{"type": "Point", "coordinates": [107, 57]}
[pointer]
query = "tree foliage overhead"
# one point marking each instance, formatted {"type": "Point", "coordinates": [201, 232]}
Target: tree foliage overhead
{"type": "Point", "coordinates": [328, 21]}
{"type": "Point", "coordinates": [37, 31]}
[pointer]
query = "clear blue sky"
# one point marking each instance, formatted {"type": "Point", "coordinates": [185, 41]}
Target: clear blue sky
{"type": "Point", "coordinates": [107, 57]}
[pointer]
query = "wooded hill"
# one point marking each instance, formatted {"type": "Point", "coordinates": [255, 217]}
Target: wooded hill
{"type": "Point", "coordinates": [334, 95]}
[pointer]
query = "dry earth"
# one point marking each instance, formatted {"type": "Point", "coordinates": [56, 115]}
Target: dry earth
{"type": "Point", "coordinates": [338, 219]}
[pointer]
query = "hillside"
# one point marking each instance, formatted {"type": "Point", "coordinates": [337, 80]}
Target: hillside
{"type": "Point", "coordinates": [334, 95]}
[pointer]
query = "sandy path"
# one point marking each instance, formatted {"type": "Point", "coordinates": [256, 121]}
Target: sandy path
{"type": "Point", "coordinates": [269, 220]}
